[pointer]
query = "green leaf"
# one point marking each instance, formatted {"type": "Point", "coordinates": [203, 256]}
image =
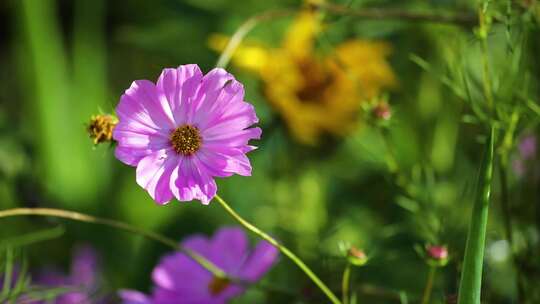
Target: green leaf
{"type": "Point", "coordinates": [471, 277]}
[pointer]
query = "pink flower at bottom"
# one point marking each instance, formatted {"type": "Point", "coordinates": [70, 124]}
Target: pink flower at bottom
{"type": "Point", "coordinates": [185, 130]}
{"type": "Point", "coordinates": [180, 280]}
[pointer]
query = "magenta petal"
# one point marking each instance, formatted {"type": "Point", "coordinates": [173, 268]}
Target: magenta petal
{"type": "Point", "coordinates": [84, 266]}
{"type": "Point", "coordinates": [179, 272]}
{"type": "Point", "coordinates": [193, 182]}
{"type": "Point", "coordinates": [231, 138]}
{"type": "Point", "coordinates": [225, 161]}
{"type": "Point", "coordinates": [200, 244]}
{"type": "Point", "coordinates": [133, 297]}
{"type": "Point", "coordinates": [259, 262]}
{"type": "Point", "coordinates": [212, 85]}
{"type": "Point", "coordinates": [142, 104]}
{"type": "Point", "coordinates": [154, 174]}
{"type": "Point", "coordinates": [179, 276]}
{"type": "Point", "coordinates": [179, 86]}
{"type": "Point", "coordinates": [130, 156]}
{"type": "Point", "coordinates": [236, 242]}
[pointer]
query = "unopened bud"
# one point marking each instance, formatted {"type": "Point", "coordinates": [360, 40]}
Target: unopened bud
{"type": "Point", "coordinates": [437, 255]}
{"type": "Point", "coordinates": [356, 256]}
{"type": "Point", "coordinates": [100, 128]}
{"type": "Point", "coordinates": [382, 111]}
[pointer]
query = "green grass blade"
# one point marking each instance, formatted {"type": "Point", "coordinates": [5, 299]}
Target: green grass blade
{"type": "Point", "coordinates": [471, 276]}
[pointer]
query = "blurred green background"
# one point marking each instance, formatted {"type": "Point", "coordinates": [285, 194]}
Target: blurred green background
{"type": "Point", "coordinates": [62, 61]}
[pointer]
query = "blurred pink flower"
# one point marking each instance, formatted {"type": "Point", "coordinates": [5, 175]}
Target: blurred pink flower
{"type": "Point", "coordinates": [185, 130]}
{"type": "Point", "coordinates": [179, 279]}
{"type": "Point", "coordinates": [83, 279]}
{"type": "Point", "coordinates": [527, 147]}
{"type": "Point", "coordinates": [522, 162]}
{"type": "Point", "coordinates": [437, 252]}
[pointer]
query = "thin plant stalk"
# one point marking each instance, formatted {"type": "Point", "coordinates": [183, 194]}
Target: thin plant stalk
{"type": "Point", "coordinates": [507, 144]}
{"type": "Point", "coordinates": [463, 19]}
{"type": "Point", "coordinates": [429, 285]}
{"type": "Point", "coordinates": [243, 30]}
{"type": "Point", "coordinates": [471, 276]}
{"type": "Point", "coordinates": [345, 283]}
{"type": "Point", "coordinates": [506, 210]}
{"type": "Point", "coordinates": [81, 217]}
{"type": "Point", "coordinates": [483, 34]}
{"type": "Point", "coordinates": [288, 253]}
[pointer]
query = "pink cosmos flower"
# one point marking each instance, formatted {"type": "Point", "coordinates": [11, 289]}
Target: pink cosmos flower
{"type": "Point", "coordinates": [179, 279]}
{"type": "Point", "coordinates": [185, 130]}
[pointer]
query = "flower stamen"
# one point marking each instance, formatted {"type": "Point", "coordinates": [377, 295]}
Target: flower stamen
{"type": "Point", "coordinates": [186, 140]}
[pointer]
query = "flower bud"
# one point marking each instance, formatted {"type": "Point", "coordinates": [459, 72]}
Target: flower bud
{"type": "Point", "coordinates": [100, 128]}
{"type": "Point", "coordinates": [356, 256]}
{"type": "Point", "coordinates": [382, 111]}
{"type": "Point", "coordinates": [437, 255]}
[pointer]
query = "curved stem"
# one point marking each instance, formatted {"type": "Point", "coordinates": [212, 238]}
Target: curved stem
{"type": "Point", "coordinates": [243, 30]}
{"type": "Point", "coordinates": [345, 283]}
{"type": "Point", "coordinates": [281, 248]}
{"type": "Point", "coordinates": [459, 18]}
{"type": "Point", "coordinates": [81, 217]}
{"type": "Point", "coordinates": [370, 13]}
{"type": "Point", "coordinates": [429, 285]}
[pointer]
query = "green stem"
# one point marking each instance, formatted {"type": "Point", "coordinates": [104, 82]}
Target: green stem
{"type": "Point", "coordinates": [509, 231]}
{"type": "Point", "coordinates": [281, 248]}
{"type": "Point", "coordinates": [459, 18]}
{"type": "Point", "coordinates": [8, 271]}
{"type": "Point", "coordinates": [80, 217]}
{"type": "Point", "coordinates": [483, 34]}
{"type": "Point", "coordinates": [391, 160]}
{"type": "Point", "coordinates": [243, 30]}
{"type": "Point", "coordinates": [471, 277]}
{"type": "Point", "coordinates": [345, 283]}
{"type": "Point", "coordinates": [429, 285]}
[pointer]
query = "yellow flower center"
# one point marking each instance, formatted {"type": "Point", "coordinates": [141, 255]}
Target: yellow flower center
{"type": "Point", "coordinates": [217, 285]}
{"type": "Point", "coordinates": [186, 140]}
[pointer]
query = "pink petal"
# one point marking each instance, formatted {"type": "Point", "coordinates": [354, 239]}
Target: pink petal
{"type": "Point", "coordinates": [223, 161]}
{"type": "Point", "coordinates": [130, 139]}
{"type": "Point", "coordinates": [133, 297]}
{"type": "Point", "coordinates": [193, 182]}
{"type": "Point", "coordinates": [179, 86]}
{"type": "Point", "coordinates": [259, 262]}
{"type": "Point", "coordinates": [154, 174]}
{"type": "Point", "coordinates": [141, 105]}
{"type": "Point", "coordinates": [231, 138]}
{"type": "Point", "coordinates": [130, 156]}
{"type": "Point", "coordinates": [211, 87]}
{"type": "Point", "coordinates": [229, 109]}
{"type": "Point", "coordinates": [232, 244]}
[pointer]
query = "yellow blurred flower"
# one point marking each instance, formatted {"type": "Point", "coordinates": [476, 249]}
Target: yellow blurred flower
{"type": "Point", "coordinates": [315, 95]}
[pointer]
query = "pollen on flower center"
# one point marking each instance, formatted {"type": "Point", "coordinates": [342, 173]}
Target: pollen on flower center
{"type": "Point", "coordinates": [186, 140]}
{"type": "Point", "coordinates": [217, 285]}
